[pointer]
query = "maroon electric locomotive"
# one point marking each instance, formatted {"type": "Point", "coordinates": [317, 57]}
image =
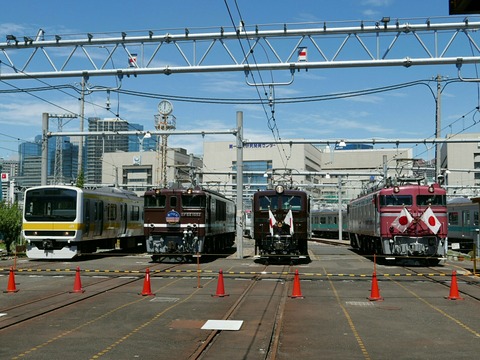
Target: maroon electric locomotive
{"type": "Point", "coordinates": [180, 223]}
{"type": "Point", "coordinates": [402, 221]}
{"type": "Point", "coordinates": [281, 224]}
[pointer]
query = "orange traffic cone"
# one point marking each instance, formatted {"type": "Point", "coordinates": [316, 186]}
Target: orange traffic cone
{"type": "Point", "coordinates": [454, 294]}
{"type": "Point", "coordinates": [147, 289]}
{"type": "Point", "coordinates": [11, 287]}
{"type": "Point", "coordinates": [77, 285]}
{"type": "Point", "coordinates": [296, 292]}
{"type": "Point", "coordinates": [375, 292]}
{"type": "Point", "coordinates": [220, 288]}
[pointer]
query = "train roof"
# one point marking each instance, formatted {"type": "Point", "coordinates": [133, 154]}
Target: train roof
{"type": "Point", "coordinates": [195, 190]}
{"type": "Point", "coordinates": [408, 187]}
{"type": "Point", "coordinates": [461, 200]}
{"type": "Point", "coordinates": [273, 192]}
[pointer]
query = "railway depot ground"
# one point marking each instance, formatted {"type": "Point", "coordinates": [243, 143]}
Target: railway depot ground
{"type": "Point", "coordinates": [332, 319]}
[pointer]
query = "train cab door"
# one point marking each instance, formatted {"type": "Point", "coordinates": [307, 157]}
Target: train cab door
{"type": "Point", "coordinates": [208, 215]}
{"type": "Point", "coordinates": [86, 217]}
{"type": "Point", "coordinates": [376, 215]}
{"type": "Point", "coordinates": [466, 224]}
{"type": "Point", "coordinates": [98, 214]}
{"type": "Point", "coordinates": [123, 218]}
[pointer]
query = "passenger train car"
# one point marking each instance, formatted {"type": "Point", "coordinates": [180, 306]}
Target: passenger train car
{"type": "Point", "coordinates": [181, 223]}
{"type": "Point", "coordinates": [409, 220]}
{"type": "Point", "coordinates": [281, 224]}
{"type": "Point", "coordinates": [60, 222]}
{"type": "Point", "coordinates": [325, 223]}
{"type": "Point", "coordinates": [462, 224]}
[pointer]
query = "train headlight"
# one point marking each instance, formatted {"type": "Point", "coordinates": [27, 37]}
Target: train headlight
{"type": "Point", "coordinates": [431, 189]}
{"type": "Point", "coordinates": [396, 189]}
{"type": "Point", "coordinates": [279, 189]}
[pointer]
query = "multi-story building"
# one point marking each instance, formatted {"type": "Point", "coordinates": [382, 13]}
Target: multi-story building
{"type": "Point", "coordinates": [9, 170]}
{"type": "Point", "coordinates": [97, 145]}
{"type": "Point", "coordinates": [62, 162]}
{"type": "Point", "coordinates": [460, 166]}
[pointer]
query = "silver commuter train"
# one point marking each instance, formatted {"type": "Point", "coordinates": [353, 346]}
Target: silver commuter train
{"type": "Point", "coordinates": [462, 224]}
{"type": "Point", "coordinates": [60, 222]}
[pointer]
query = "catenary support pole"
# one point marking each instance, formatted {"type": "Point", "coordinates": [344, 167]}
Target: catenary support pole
{"type": "Point", "coordinates": [239, 185]}
{"type": "Point", "coordinates": [44, 165]}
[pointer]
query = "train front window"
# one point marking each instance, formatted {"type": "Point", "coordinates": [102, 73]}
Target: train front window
{"type": "Point", "coordinates": [193, 201]}
{"type": "Point", "coordinates": [267, 202]}
{"type": "Point", "coordinates": [155, 201]}
{"type": "Point", "coordinates": [425, 200]}
{"type": "Point", "coordinates": [287, 202]}
{"type": "Point", "coordinates": [51, 205]}
{"type": "Point", "coordinates": [291, 202]}
{"type": "Point", "coordinates": [396, 200]}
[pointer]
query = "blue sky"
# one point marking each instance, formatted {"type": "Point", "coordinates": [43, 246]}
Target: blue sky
{"type": "Point", "coordinates": [406, 113]}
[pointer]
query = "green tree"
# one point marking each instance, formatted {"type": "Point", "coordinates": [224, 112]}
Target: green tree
{"type": "Point", "coordinates": [10, 223]}
{"type": "Point", "coordinates": [80, 179]}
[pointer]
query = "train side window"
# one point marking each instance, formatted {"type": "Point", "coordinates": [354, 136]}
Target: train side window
{"type": "Point", "coordinates": [135, 214]}
{"type": "Point", "coordinates": [221, 210]}
{"type": "Point", "coordinates": [453, 218]}
{"type": "Point", "coordinates": [111, 212]}
{"type": "Point", "coordinates": [475, 218]}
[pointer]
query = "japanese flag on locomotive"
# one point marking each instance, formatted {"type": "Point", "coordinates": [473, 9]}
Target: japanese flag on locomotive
{"type": "Point", "coordinates": [403, 221]}
{"type": "Point", "coordinates": [271, 221]}
{"type": "Point", "coordinates": [429, 218]}
{"type": "Point", "coordinates": [289, 220]}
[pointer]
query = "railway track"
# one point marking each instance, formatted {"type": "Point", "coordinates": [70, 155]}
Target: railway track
{"type": "Point", "coordinates": [270, 331]}
{"type": "Point", "coordinates": [55, 301]}
{"type": "Point", "coordinates": [473, 289]}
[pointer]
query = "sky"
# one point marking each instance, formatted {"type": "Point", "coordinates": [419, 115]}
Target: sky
{"type": "Point", "coordinates": [404, 113]}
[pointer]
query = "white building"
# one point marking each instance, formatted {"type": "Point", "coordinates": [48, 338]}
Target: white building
{"type": "Point", "coordinates": [460, 163]}
{"type": "Point", "coordinates": [138, 171]}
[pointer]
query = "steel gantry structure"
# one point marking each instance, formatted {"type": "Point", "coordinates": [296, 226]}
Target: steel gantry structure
{"type": "Point", "coordinates": [387, 42]}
